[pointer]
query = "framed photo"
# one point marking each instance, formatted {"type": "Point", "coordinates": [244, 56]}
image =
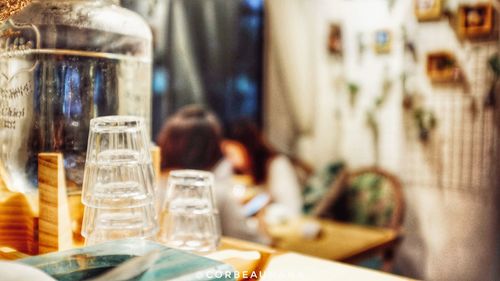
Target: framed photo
{"type": "Point", "coordinates": [428, 10]}
{"type": "Point", "coordinates": [442, 67]}
{"type": "Point", "coordinates": [335, 39]}
{"type": "Point", "coordinates": [475, 21]}
{"type": "Point", "coordinates": [383, 41]}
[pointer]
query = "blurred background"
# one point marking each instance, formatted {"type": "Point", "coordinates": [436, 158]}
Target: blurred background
{"type": "Point", "coordinates": [407, 87]}
{"type": "Point", "coordinates": [206, 52]}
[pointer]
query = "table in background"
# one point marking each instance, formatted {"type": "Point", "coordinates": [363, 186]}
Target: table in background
{"type": "Point", "coordinates": [337, 241]}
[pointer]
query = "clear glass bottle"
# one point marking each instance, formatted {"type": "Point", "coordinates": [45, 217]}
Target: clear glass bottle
{"type": "Point", "coordinates": [63, 62]}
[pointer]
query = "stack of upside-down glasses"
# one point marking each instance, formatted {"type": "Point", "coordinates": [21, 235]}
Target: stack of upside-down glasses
{"type": "Point", "coordinates": [189, 215]}
{"type": "Point", "coordinates": [118, 185]}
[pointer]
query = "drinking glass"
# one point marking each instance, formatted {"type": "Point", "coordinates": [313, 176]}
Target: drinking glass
{"type": "Point", "coordinates": [119, 223]}
{"type": "Point", "coordinates": [189, 216]}
{"type": "Point", "coordinates": [118, 183]}
{"type": "Point", "coordinates": [118, 170]}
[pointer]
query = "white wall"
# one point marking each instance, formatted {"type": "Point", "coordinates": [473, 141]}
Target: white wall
{"type": "Point", "coordinates": [355, 141]}
{"type": "Point", "coordinates": [451, 184]}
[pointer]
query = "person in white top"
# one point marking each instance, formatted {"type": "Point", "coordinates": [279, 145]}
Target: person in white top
{"type": "Point", "coordinates": [191, 140]}
{"type": "Point", "coordinates": [268, 168]}
{"type": "Point", "coordinates": [284, 186]}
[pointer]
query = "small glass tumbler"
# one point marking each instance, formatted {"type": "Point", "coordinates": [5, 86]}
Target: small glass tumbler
{"type": "Point", "coordinates": [189, 219]}
{"type": "Point", "coordinates": [136, 222]}
{"type": "Point", "coordinates": [118, 170]}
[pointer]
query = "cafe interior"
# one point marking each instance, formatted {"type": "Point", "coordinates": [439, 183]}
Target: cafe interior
{"type": "Point", "coordinates": [249, 140]}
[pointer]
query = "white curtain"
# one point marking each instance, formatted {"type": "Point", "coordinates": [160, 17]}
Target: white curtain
{"type": "Point", "coordinates": [289, 81]}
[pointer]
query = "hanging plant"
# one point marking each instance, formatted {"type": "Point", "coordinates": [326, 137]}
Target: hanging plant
{"type": "Point", "coordinates": [371, 115]}
{"type": "Point", "coordinates": [408, 101]}
{"type": "Point", "coordinates": [361, 46]}
{"type": "Point", "coordinates": [353, 89]}
{"type": "Point", "coordinates": [474, 108]}
{"type": "Point", "coordinates": [494, 64]}
{"type": "Point", "coordinates": [385, 91]}
{"type": "Point", "coordinates": [372, 123]}
{"type": "Point", "coordinates": [425, 121]}
{"type": "Point", "coordinates": [409, 45]}
{"type": "Point", "coordinates": [407, 97]}
{"type": "Point", "coordinates": [390, 4]}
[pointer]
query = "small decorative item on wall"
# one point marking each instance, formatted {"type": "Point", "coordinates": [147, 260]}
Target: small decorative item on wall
{"type": "Point", "coordinates": [475, 20]}
{"type": "Point", "coordinates": [335, 39]}
{"type": "Point", "coordinates": [428, 10]}
{"type": "Point", "coordinates": [442, 67]}
{"type": "Point", "coordinates": [383, 41]}
{"type": "Point", "coordinates": [426, 121]}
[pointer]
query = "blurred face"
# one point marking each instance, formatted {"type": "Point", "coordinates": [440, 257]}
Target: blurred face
{"type": "Point", "coordinates": [237, 154]}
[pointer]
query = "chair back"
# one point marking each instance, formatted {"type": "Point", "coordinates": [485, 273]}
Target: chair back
{"type": "Point", "coordinates": [369, 196]}
{"type": "Point", "coordinates": [317, 190]}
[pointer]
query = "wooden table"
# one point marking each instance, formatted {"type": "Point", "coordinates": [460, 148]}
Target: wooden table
{"type": "Point", "coordinates": [297, 267]}
{"type": "Point", "coordinates": [276, 265]}
{"type": "Point", "coordinates": [337, 241]}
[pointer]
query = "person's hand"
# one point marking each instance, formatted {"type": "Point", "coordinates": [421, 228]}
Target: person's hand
{"type": "Point", "coordinates": [263, 226]}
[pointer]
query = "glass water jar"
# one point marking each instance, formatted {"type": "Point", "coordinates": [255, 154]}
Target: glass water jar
{"type": "Point", "coordinates": [63, 62]}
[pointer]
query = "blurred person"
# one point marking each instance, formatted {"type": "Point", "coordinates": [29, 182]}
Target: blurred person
{"type": "Point", "coordinates": [269, 169]}
{"type": "Point", "coordinates": [191, 139]}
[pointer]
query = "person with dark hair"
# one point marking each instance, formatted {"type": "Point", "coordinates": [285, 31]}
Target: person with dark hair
{"type": "Point", "coordinates": [191, 139]}
{"type": "Point", "coordinates": [268, 168]}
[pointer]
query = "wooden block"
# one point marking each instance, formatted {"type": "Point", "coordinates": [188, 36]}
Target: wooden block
{"type": "Point", "coordinates": [18, 222]}
{"type": "Point", "coordinates": [4, 178]}
{"type": "Point", "coordinates": [7, 253]}
{"type": "Point", "coordinates": [76, 208]}
{"type": "Point", "coordinates": [54, 221]}
{"type": "Point", "coordinates": [239, 249]}
{"type": "Point", "coordinates": [156, 158]}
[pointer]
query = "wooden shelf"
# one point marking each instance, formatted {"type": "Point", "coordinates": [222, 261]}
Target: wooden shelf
{"type": "Point", "coordinates": [42, 223]}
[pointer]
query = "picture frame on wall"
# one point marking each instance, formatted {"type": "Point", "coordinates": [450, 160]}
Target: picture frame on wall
{"type": "Point", "coordinates": [443, 67]}
{"type": "Point", "coordinates": [428, 10]}
{"type": "Point", "coordinates": [383, 41]}
{"type": "Point", "coordinates": [475, 21]}
{"type": "Point", "coordinates": [335, 39]}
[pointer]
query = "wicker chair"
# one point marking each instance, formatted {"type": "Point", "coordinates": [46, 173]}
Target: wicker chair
{"type": "Point", "coordinates": [369, 196]}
